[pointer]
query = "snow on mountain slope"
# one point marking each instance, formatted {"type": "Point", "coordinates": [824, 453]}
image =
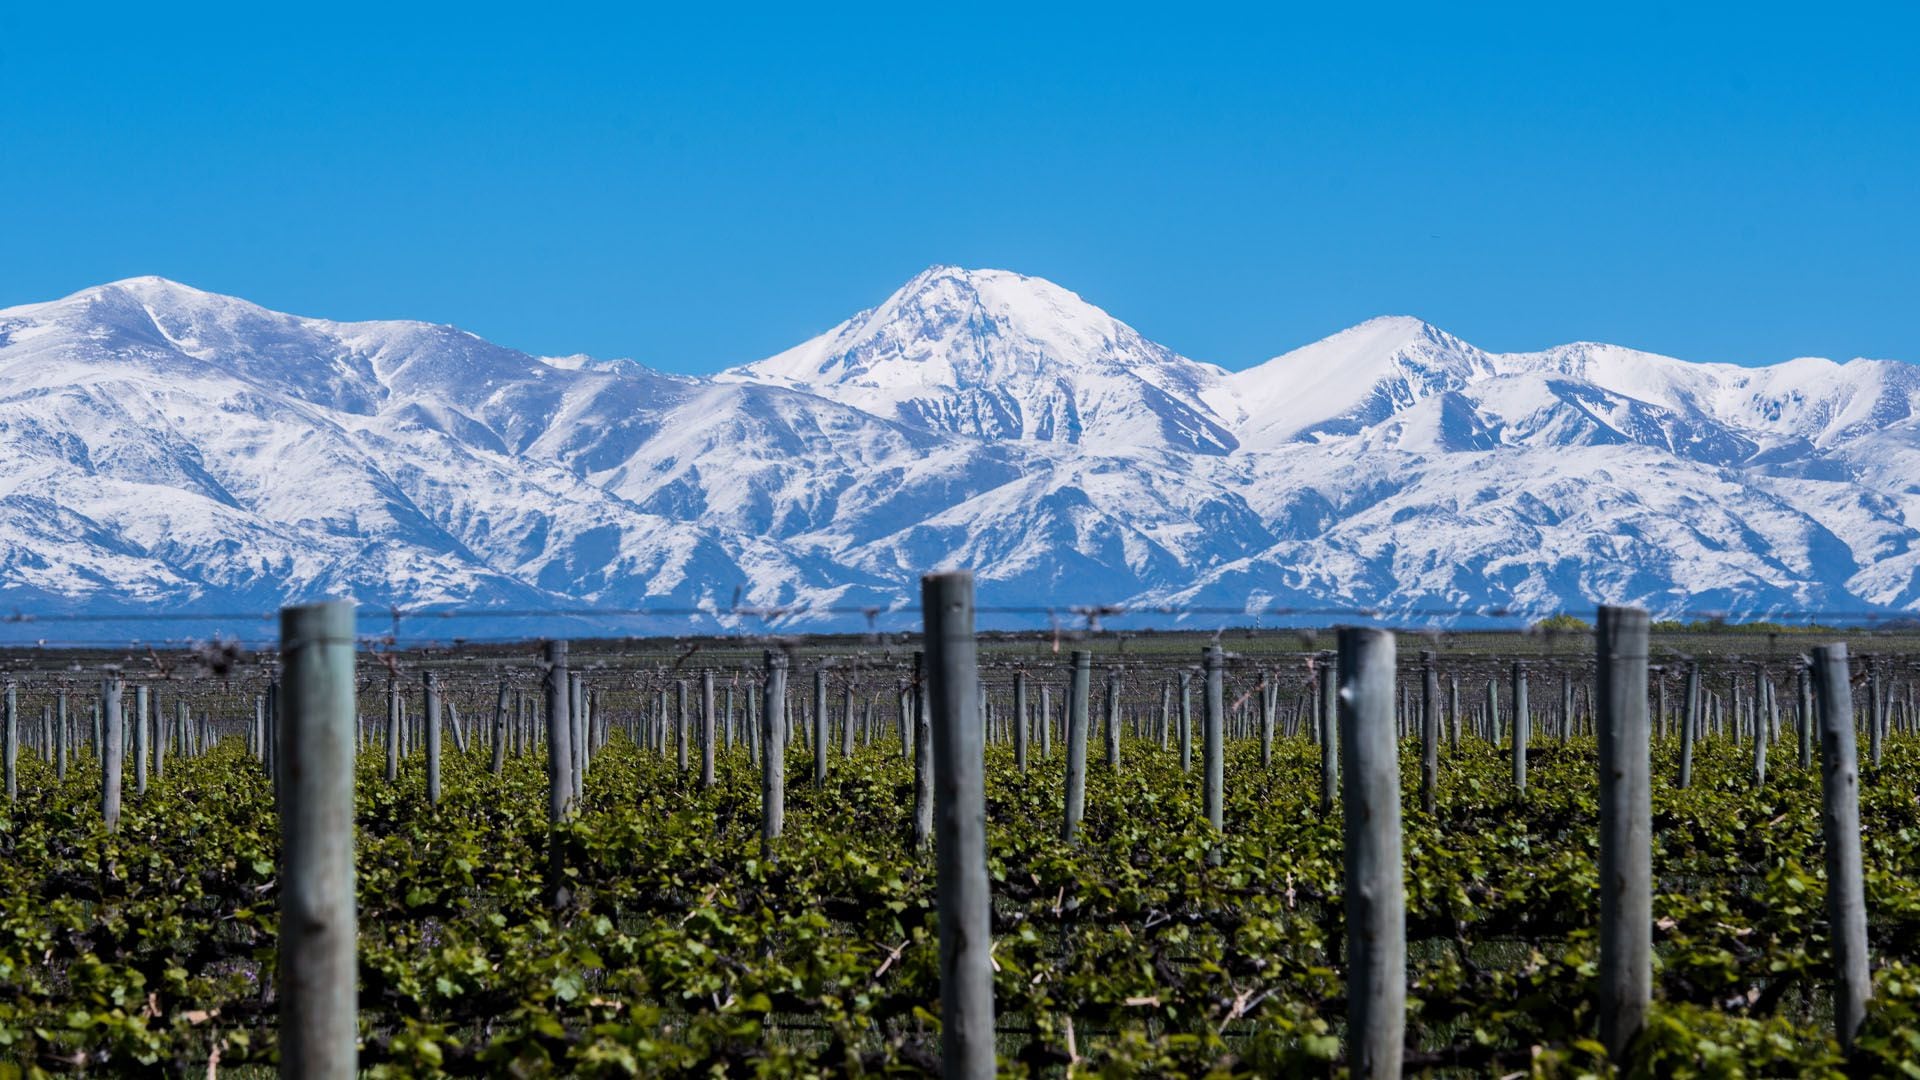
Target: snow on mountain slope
{"type": "Point", "coordinates": [1004, 356]}
{"type": "Point", "coordinates": [168, 447]}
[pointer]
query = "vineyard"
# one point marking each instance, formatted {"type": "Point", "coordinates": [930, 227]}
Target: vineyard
{"type": "Point", "coordinates": [736, 869]}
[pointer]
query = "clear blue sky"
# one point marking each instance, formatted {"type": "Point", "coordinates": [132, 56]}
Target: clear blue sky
{"type": "Point", "coordinates": [697, 189]}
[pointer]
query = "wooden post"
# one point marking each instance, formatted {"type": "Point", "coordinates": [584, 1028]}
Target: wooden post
{"type": "Point", "coordinates": [820, 727]}
{"type": "Point", "coordinates": [62, 735]}
{"type": "Point", "coordinates": [1020, 720]}
{"type": "Point", "coordinates": [1077, 743]}
{"type": "Point", "coordinates": [1213, 740]}
{"type": "Point", "coordinates": [1329, 738]}
{"type": "Point", "coordinates": [113, 751]}
{"type": "Point", "coordinates": [1453, 713]}
{"type": "Point", "coordinates": [1840, 827]}
{"type": "Point", "coordinates": [1429, 732]}
{"type": "Point", "coordinates": [1046, 722]}
{"type": "Point", "coordinates": [432, 709]}
{"type": "Point", "coordinates": [560, 760]}
{"type": "Point", "coordinates": [1760, 727]}
{"type": "Point", "coordinates": [139, 731]}
{"type": "Point", "coordinates": [1493, 712]}
{"type": "Point", "coordinates": [456, 725]}
{"type": "Point", "coordinates": [1806, 717]}
{"type": "Point", "coordinates": [1876, 714]}
{"type": "Point", "coordinates": [499, 762]}
{"type": "Point", "coordinates": [1268, 704]}
{"type": "Point", "coordinates": [922, 757]}
{"type": "Point", "coordinates": [393, 728]}
{"type": "Point", "coordinates": [318, 924]}
{"type": "Point", "coordinates": [12, 752]}
{"type": "Point", "coordinates": [1522, 728]}
{"type": "Point", "coordinates": [681, 726]}
{"type": "Point", "coordinates": [709, 723]}
{"type": "Point", "coordinates": [1373, 872]}
{"type": "Point", "coordinates": [1626, 829]}
{"type": "Point", "coordinates": [1186, 721]}
{"type": "Point", "coordinates": [1112, 725]}
{"type": "Point", "coordinates": [773, 752]}
{"type": "Point", "coordinates": [1689, 725]}
{"type": "Point", "coordinates": [960, 849]}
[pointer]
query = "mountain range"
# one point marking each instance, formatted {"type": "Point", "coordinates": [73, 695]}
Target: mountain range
{"type": "Point", "coordinates": [171, 450]}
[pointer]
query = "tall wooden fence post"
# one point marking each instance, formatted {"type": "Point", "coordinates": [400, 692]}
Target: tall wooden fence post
{"type": "Point", "coordinates": [773, 752]}
{"type": "Point", "coordinates": [1522, 728]}
{"type": "Point", "coordinates": [960, 848]}
{"type": "Point", "coordinates": [1186, 721]}
{"type": "Point", "coordinates": [560, 761]}
{"type": "Point", "coordinates": [1806, 718]}
{"type": "Point", "coordinates": [319, 997]}
{"type": "Point", "coordinates": [139, 726]}
{"type": "Point", "coordinates": [1429, 732]}
{"type": "Point", "coordinates": [431, 707]}
{"type": "Point", "coordinates": [1020, 720]}
{"type": "Point", "coordinates": [112, 735]}
{"type": "Point", "coordinates": [1840, 826]}
{"type": "Point", "coordinates": [1076, 808]}
{"type": "Point", "coordinates": [1374, 876]}
{"type": "Point", "coordinates": [820, 727]}
{"type": "Point", "coordinates": [1329, 737]}
{"type": "Point", "coordinates": [709, 722]}
{"type": "Point", "coordinates": [922, 757]}
{"type": "Point", "coordinates": [500, 735]}
{"type": "Point", "coordinates": [393, 728]}
{"type": "Point", "coordinates": [12, 706]}
{"type": "Point", "coordinates": [1689, 725]}
{"type": "Point", "coordinates": [1213, 738]}
{"type": "Point", "coordinates": [1626, 828]}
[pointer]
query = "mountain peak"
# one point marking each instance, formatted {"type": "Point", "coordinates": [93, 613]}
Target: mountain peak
{"type": "Point", "coordinates": [998, 354]}
{"type": "Point", "coordinates": [1349, 379]}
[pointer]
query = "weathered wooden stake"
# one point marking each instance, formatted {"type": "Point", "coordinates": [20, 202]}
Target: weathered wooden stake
{"type": "Point", "coordinates": [1429, 732]}
{"type": "Point", "coordinates": [1329, 737]}
{"type": "Point", "coordinates": [560, 760]}
{"type": "Point", "coordinates": [12, 706]}
{"type": "Point", "coordinates": [1077, 743]}
{"type": "Point", "coordinates": [960, 848]}
{"type": "Point", "coordinates": [922, 757]}
{"type": "Point", "coordinates": [709, 723]}
{"type": "Point", "coordinates": [1213, 741]}
{"type": "Point", "coordinates": [1269, 704]}
{"type": "Point", "coordinates": [1373, 872]}
{"type": "Point", "coordinates": [62, 734]}
{"type": "Point", "coordinates": [1840, 827]}
{"type": "Point", "coordinates": [500, 732]}
{"type": "Point", "coordinates": [1020, 720]}
{"type": "Point", "coordinates": [432, 710]}
{"type": "Point", "coordinates": [394, 727]}
{"type": "Point", "coordinates": [113, 751]}
{"type": "Point", "coordinates": [820, 727]}
{"type": "Point", "coordinates": [1626, 829]}
{"type": "Point", "coordinates": [318, 924]}
{"type": "Point", "coordinates": [1806, 718]}
{"type": "Point", "coordinates": [1689, 725]}
{"type": "Point", "coordinates": [1186, 721]}
{"type": "Point", "coordinates": [1522, 728]}
{"type": "Point", "coordinates": [773, 752]}
{"type": "Point", "coordinates": [1112, 726]}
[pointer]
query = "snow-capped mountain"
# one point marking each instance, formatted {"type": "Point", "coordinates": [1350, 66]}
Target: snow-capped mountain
{"type": "Point", "coordinates": [171, 449]}
{"type": "Point", "coordinates": [1003, 356]}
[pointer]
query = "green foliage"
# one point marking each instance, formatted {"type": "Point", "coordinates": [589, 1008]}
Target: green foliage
{"type": "Point", "coordinates": [685, 953]}
{"type": "Point", "coordinates": [1563, 623]}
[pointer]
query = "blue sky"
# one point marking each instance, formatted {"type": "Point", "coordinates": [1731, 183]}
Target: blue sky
{"type": "Point", "coordinates": [697, 189]}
